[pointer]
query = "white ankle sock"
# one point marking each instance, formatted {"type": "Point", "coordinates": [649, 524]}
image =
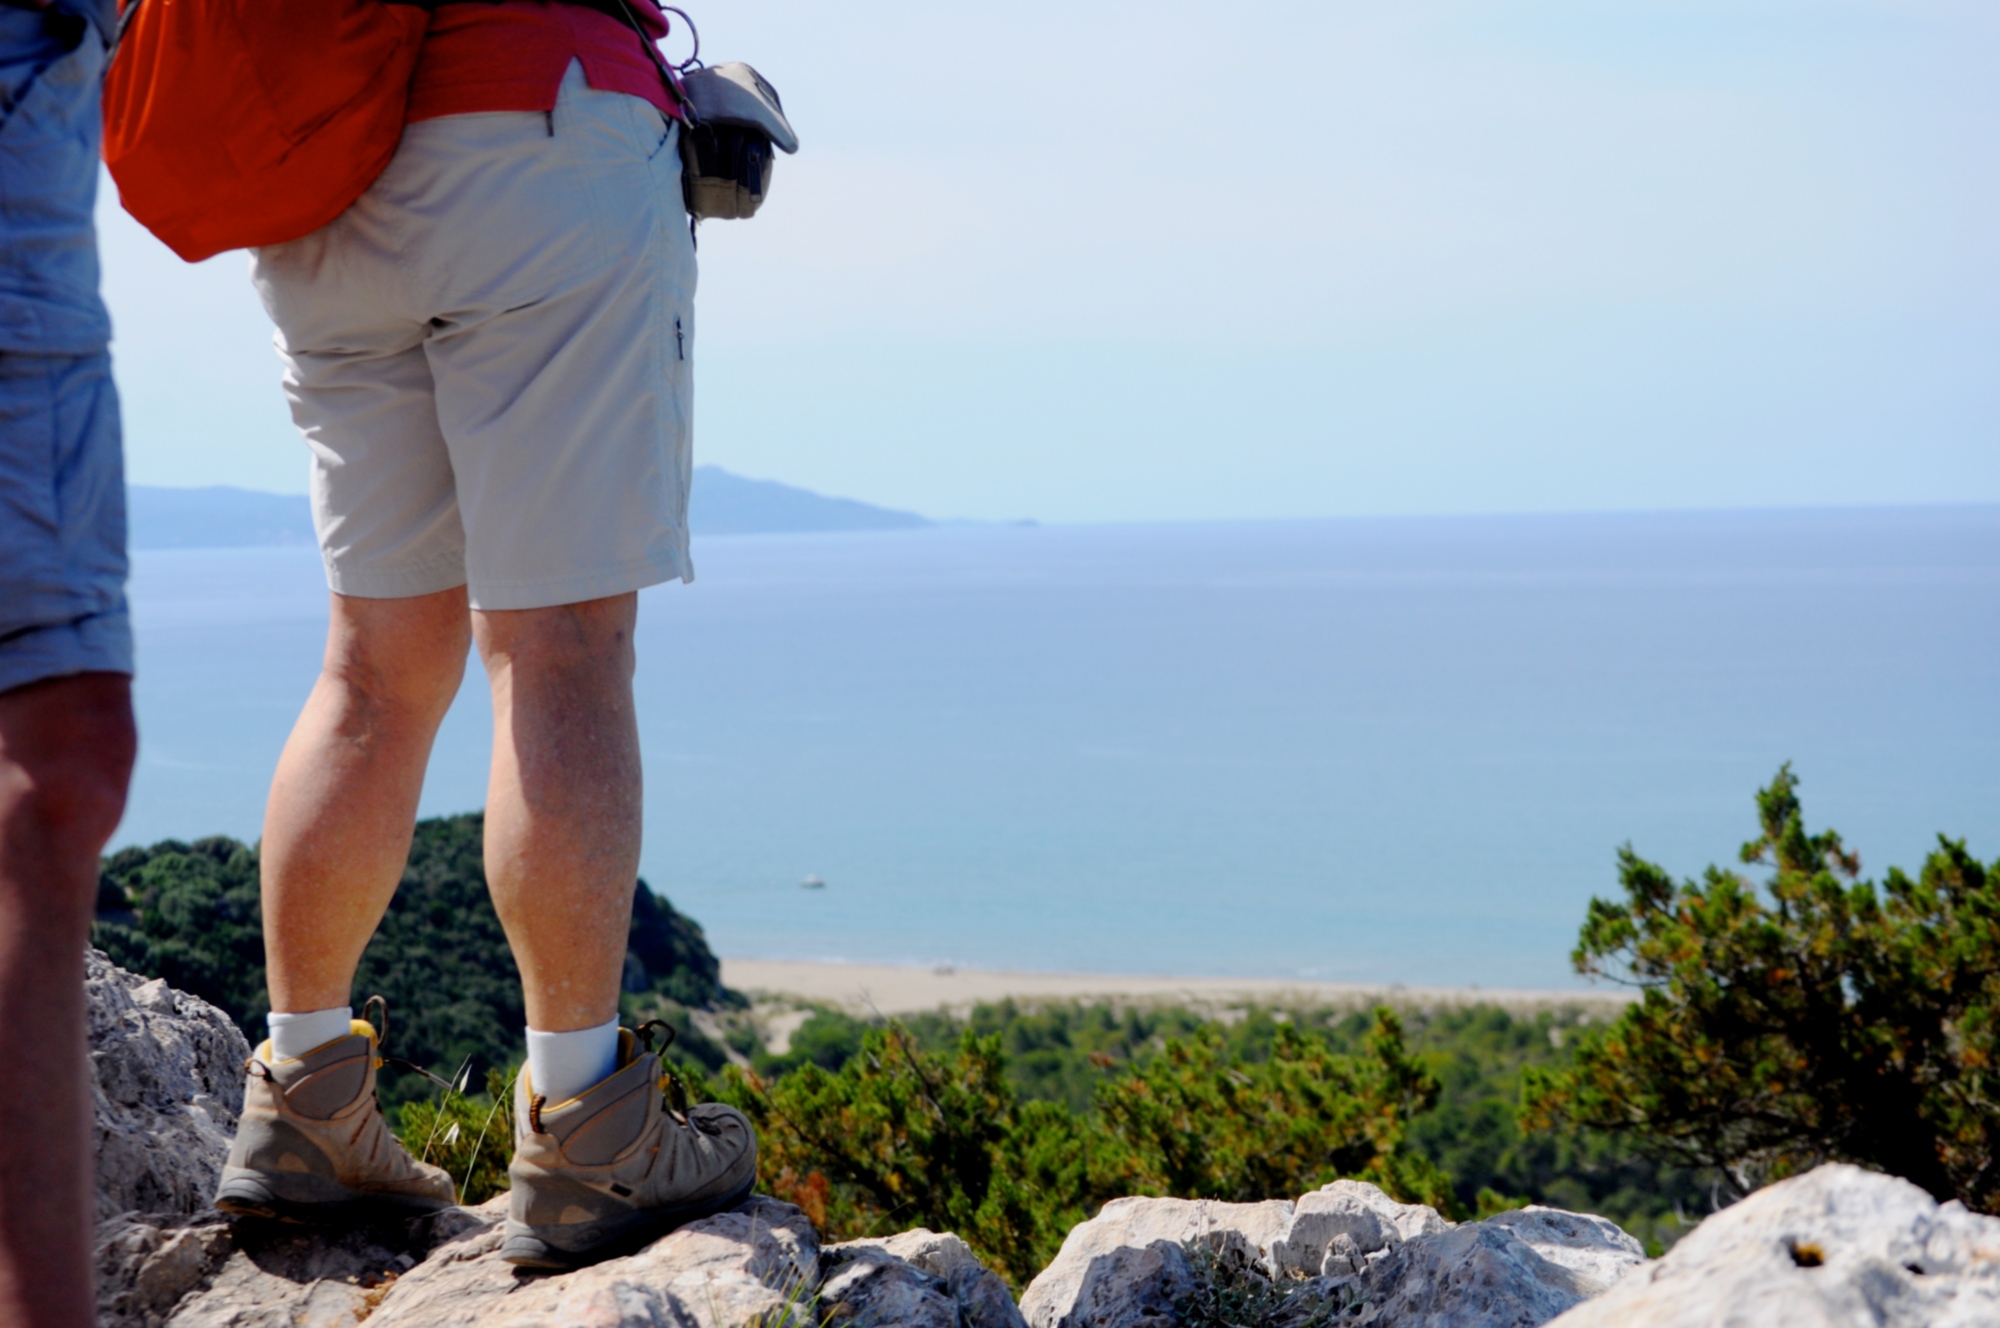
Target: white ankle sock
{"type": "Point", "coordinates": [293, 1035]}
{"type": "Point", "coordinates": [562, 1065]}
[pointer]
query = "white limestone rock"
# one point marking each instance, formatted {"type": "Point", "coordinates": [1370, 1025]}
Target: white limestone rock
{"type": "Point", "coordinates": [204, 1272]}
{"type": "Point", "coordinates": [1347, 1248]}
{"type": "Point", "coordinates": [1127, 1266]}
{"type": "Point", "coordinates": [1332, 1231]}
{"type": "Point", "coordinates": [981, 1296]}
{"type": "Point", "coordinates": [757, 1264]}
{"type": "Point", "coordinates": [1475, 1275]}
{"type": "Point", "coordinates": [1597, 1250]}
{"type": "Point", "coordinates": [145, 1268]}
{"type": "Point", "coordinates": [865, 1285]}
{"type": "Point", "coordinates": [1838, 1246]}
{"type": "Point", "coordinates": [167, 1079]}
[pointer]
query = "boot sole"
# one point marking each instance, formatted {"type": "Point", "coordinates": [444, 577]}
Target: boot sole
{"type": "Point", "coordinates": [254, 1197]}
{"type": "Point", "coordinates": [524, 1249]}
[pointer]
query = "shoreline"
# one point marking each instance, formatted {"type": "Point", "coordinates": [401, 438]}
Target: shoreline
{"type": "Point", "coordinates": [890, 989]}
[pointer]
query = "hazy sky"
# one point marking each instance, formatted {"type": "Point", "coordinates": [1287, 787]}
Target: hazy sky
{"type": "Point", "coordinates": [1096, 260]}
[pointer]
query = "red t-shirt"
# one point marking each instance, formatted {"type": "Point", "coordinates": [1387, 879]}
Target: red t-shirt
{"type": "Point", "coordinates": [512, 56]}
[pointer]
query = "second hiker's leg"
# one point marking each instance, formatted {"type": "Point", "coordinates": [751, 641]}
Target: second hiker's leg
{"type": "Point", "coordinates": [344, 801]}
{"type": "Point", "coordinates": [563, 804]}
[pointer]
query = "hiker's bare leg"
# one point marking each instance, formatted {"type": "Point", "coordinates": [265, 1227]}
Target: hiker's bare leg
{"type": "Point", "coordinates": [344, 801]}
{"type": "Point", "coordinates": [563, 805]}
{"type": "Point", "coordinates": [66, 748]}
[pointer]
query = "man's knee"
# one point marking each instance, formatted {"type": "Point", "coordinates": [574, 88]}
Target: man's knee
{"type": "Point", "coordinates": [579, 641]}
{"type": "Point", "coordinates": [402, 658]}
{"type": "Point", "coordinates": [66, 753]}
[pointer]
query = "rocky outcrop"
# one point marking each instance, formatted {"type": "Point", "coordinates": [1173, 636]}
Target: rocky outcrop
{"type": "Point", "coordinates": [1129, 1265]}
{"type": "Point", "coordinates": [1347, 1252]}
{"type": "Point", "coordinates": [204, 1272]}
{"type": "Point", "coordinates": [1479, 1275]}
{"type": "Point", "coordinates": [856, 1272]}
{"type": "Point", "coordinates": [167, 1075]}
{"type": "Point", "coordinates": [760, 1264]}
{"type": "Point", "coordinates": [1334, 1230]}
{"type": "Point", "coordinates": [748, 1266]}
{"type": "Point", "coordinates": [1837, 1246]}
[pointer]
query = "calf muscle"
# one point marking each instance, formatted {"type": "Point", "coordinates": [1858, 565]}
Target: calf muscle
{"type": "Point", "coordinates": [66, 752]}
{"type": "Point", "coordinates": [563, 804]}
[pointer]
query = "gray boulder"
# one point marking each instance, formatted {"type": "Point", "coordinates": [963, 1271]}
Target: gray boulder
{"type": "Point", "coordinates": [1595, 1250]}
{"type": "Point", "coordinates": [1128, 1266]}
{"type": "Point", "coordinates": [981, 1298]}
{"type": "Point", "coordinates": [1332, 1231]}
{"type": "Point", "coordinates": [1345, 1253]}
{"type": "Point", "coordinates": [1476, 1275]}
{"type": "Point", "coordinates": [1836, 1246]}
{"type": "Point", "coordinates": [204, 1272]}
{"type": "Point", "coordinates": [758, 1264]}
{"type": "Point", "coordinates": [755, 1265]}
{"type": "Point", "coordinates": [167, 1077]}
{"type": "Point", "coordinates": [867, 1285]}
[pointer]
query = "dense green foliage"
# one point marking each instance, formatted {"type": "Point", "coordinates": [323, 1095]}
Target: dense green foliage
{"type": "Point", "coordinates": [900, 1133]}
{"type": "Point", "coordinates": [190, 913]}
{"type": "Point", "coordinates": [1066, 1054]}
{"type": "Point", "coordinates": [1815, 1018]}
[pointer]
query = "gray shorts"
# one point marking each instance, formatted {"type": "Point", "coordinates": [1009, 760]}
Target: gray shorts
{"type": "Point", "coordinates": [490, 356]}
{"type": "Point", "coordinates": [62, 520]}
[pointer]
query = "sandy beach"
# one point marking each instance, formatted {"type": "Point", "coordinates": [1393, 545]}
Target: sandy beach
{"type": "Point", "coordinates": [890, 990]}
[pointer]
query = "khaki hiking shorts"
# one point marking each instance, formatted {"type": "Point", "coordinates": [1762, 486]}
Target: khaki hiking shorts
{"type": "Point", "coordinates": [490, 357]}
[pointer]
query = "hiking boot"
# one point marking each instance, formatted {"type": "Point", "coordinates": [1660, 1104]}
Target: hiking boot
{"type": "Point", "coordinates": [615, 1167]}
{"type": "Point", "coordinates": [312, 1144]}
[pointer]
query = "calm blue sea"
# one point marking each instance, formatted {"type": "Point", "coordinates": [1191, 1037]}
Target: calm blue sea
{"type": "Point", "coordinates": [1381, 750]}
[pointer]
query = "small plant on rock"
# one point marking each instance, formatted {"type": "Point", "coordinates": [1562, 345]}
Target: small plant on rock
{"type": "Point", "coordinates": [1230, 1292]}
{"type": "Point", "coordinates": [470, 1136]}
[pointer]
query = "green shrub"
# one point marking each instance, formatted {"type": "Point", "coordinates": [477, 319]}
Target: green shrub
{"type": "Point", "coordinates": [1203, 1124]}
{"type": "Point", "coordinates": [1230, 1292]}
{"type": "Point", "coordinates": [189, 913]}
{"type": "Point", "coordinates": [1813, 1018]}
{"type": "Point", "coordinates": [901, 1135]}
{"type": "Point", "coordinates": [829, 1039]}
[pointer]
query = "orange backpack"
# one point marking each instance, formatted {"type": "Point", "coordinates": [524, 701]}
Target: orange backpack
{"type": "Point", "coordinates": [231, 123]}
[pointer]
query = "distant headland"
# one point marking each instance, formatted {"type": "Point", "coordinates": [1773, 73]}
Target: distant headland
{"type": "Point", "coordinates": [222, 517]}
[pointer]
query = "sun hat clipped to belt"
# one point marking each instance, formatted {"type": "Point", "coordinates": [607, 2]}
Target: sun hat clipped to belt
{"type": "Point", "coordinates": [231, 123]}
{"type": "Point", "coordinates": [734, 120]}
{"type": "Point", "coordinates": [737, 120]}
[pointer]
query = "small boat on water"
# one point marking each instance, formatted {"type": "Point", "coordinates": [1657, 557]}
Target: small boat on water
{"type": "Point", "coordinates": [813, 883]}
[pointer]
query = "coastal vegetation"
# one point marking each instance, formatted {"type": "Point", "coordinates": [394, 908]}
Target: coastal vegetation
{"type": "Point", "coordinates": [902, 1134]}
{"type": "Point", "coordinates": [1815, 1017]}
{"type": "Point", "coordinates": [1159, 1100]}
{"type": "Point", "coordinates": [1805, 1016]}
